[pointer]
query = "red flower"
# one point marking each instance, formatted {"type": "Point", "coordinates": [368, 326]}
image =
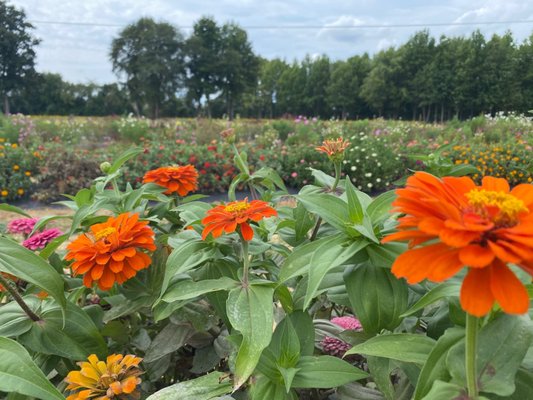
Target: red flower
{"type": "Point", "coordinates": [179, 180]}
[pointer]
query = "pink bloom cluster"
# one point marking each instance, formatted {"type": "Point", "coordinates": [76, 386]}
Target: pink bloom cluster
{"type": "Point", "coordinates": [41, 239]}
{"type": "Point", "coordinates": [21, 225]}
{"type": "Point", "coordinates": [336, 347]}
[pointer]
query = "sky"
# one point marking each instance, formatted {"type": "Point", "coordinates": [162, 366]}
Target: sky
{"type": "Point", "coordinates": [78, 49]}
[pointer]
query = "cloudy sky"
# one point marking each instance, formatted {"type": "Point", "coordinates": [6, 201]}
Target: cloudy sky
{"type": "Point", "coordinates": [78, 48]}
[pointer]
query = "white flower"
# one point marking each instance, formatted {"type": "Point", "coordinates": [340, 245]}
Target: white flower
{"type": "Point", "coordinates": [369, 185]}
{"type": "Point", "coordinates": [374, 154]}
{"type": "Point", "coordinates": [368, 174]}
{"type": "Point", "coordinates": [359, 187]}
{"type": "Point", "coordinates": [379, 164]}
{"type": "Point", "coordinates": [378, 180]}
{"type": "Point", "coordinates": [353, 168]}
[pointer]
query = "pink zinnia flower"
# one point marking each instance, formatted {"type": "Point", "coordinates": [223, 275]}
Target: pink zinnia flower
{"type": "Point", "coordinates": [40, 240]}
{"type": "Point", "coordinates": [337, 347]}
{"type": "Point", "coordinates": [22, 225]}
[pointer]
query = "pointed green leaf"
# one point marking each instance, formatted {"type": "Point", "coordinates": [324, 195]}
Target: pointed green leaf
{"type": "Point", "coordinates": [355, 208]}
{"type": "Point", "coordinates": [333, 210]}
{"type": "Point", "coordinates": [28, 266]}
{"type": "Point", "coordinates": [18, 373]}
{"type": "Point", "coordinates": [123, 157]}
{"type": "Point", "coordinates": [446, 289]}
{"type": "Point", "coordinates": [188, 289]}
{"type": "Point", "coordinates": [379, 209]}
{"type": "Point", "coordinates": [325, 372]}
{"type": "Point", "coordinates": [250, 312]}
{"type": "Point", "coordinates": [404, 347]}
{"type": "Point", "coordinates": [206, 387]}
{"type": "Point", "coordinates": [13, 209]}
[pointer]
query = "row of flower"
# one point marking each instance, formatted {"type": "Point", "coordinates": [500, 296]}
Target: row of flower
{"type": "Point", "coordinates": [261, 299]}
{"type": "Point", "coordinates": [36, 163]}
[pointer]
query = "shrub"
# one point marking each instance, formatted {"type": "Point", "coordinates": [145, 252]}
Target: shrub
{"type": "Point", "coordinates": [18, 166]}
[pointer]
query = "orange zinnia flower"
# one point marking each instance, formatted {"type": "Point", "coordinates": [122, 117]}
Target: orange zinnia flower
{"type": "Point", "coordinates": [118, 378]}
{"type": "Point", "coordinates": [226, 218]}
{"type": "Point", "coordinates": [334, 148]}
{"type": "Point", "coordinates": [181, 180]}
{"type": "Point", "coordinates": [111, 251]}
{"type": "Point", "coordinates": [461, 224]}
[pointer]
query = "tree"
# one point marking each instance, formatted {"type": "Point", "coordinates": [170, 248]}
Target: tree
{"type": "Point", "coordinates": [239, 66]}
{"type": "Point", "coordinates": [151, 57]}
{"type": "Point", "coordinates": [17, 54]}
{"type": "Point", "coordinates": [203, 52]}
{"type": "Point", "coordinates": [318, 75]}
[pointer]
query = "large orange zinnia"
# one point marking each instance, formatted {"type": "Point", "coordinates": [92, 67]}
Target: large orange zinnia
{"type": "Point", "coordinates": [180, 180]}
{"type": "Point", "coordinates": [451, 223]}
{"type": "Point", "coordinates": [226, 218]}
{"type": "Point", "coordinates": [112, 251]}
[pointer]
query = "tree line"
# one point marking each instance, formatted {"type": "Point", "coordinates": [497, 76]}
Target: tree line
{"type": "Point", "coordinates": [214, 72]}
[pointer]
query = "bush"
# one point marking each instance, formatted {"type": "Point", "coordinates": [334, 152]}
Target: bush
{"type": "Point", "coordinates": [18, 166]}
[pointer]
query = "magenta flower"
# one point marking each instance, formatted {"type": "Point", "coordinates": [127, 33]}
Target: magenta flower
{"type": "Point", "coordinates": [22, 225]}
{"type": "Point", "coordinates": [337, 347]}
{"type": "Point", "coordinates": [41, 239]}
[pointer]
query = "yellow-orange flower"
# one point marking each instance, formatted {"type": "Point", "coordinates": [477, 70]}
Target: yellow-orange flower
{"type": "Point", "coordinates": [112, 251]}
{"type": "Point", "coordinates": [451, 223]}
{"type": "Point", "coordinates": [334, 148]}
{"type": "Point", "coordinates": [117, 378]}
{"type": "Point", "coordinates": [180, 180]}
{"type": "Point", "coordinates": [226, 218]}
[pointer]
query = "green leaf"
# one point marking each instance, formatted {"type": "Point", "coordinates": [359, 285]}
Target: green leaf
{"type": "Point", "coordinates": [325, 372]}
{"type": "Point", "coordinates": [170, 339]}
{"type": "Point", "coordinates": [18, 373]}
{"type": "Point", "coordinates": [384, 255]}
{"type": "Point", "coordinates": [462, 170]}
{"type": "Point", "coordinates": [446, 289]}
{"type": "Point", "coordinates": [524, 386]}
{"type": "Point", "coordinates": [380, 369]}
{"type": "Point", "coordinates": [288, 375]}
{"type": "Point", "coordinates": [447, 391]}
{"type": "Point", "coordinates": [13, 320]}
{"type": "Point", "coordinates": [303, 325]}
{"type": "Point", "coordinates": [188, 289]}
{"type": "Point", "coordinates": [333, 210]}
{"type": "Point", "coordinates": [303, 221]}
{"type": "Point", "coordinates": [404, 347]}
{"type": "Point", "coordinates": [188, 255]}
{"type": "Point", "coordinates": [378, 298]}
{"type": "Point", "coordinates": [502, 345]}
{"type": "Point", "coordinates": [26, 265]}
{"type": "Point", "coordinates": [13, 209]}
{"type": "Point", "coordinates": [379, 209]}
{"type": "Point", "coordinates": [285, 344]}
{"type": "Point", "coordinates": [297, 263]}
{"type": "Point", "coordinates": [123, 157]}
{"type": "Point", "coordinates": [435, 367]}
{"type": "Point", "coordinates": [76, 340]}
{"type": "Point", "coordinates": [42, 222]}
{"type": "Point", "coordinates": [322, 178]}
{"type": "Point", "coordinates": [249, 310]}
{"type": "Point", "coordinates": [356, 391]}
{"type": "Point", "coordinates": [355, 208]}
{"type": "Point", "coordinates": [206, 387]}
{"type": "Point", "coordinates": [52, 246]}
{"type": "Point", "coordinates": [263, 389]}
{"type": "Point", "coordinates": [326, 258]}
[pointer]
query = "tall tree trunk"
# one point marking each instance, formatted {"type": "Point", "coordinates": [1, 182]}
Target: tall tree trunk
{"type": "Point", "coordinates": [6, 104]}
{"type": "Point", "coordinates": [441, 113]}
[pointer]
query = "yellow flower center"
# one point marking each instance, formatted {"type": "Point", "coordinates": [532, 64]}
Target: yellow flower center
{"type": "Point", "coordinates": [104, 233]}
{"type": "Point", "coordinates": [502, 208]}
{"type": "Point", "coordinates": [237, 207]}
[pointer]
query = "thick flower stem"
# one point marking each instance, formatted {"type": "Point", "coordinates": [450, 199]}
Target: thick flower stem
{"type": "Point", "coordinates": [18, 298]}
{"type": "Point", "coordinates": [472, 324]}
{"type": "Point", "coordinates": [333, 188]}
{"type": "Point", "coordinates": [245, 262]}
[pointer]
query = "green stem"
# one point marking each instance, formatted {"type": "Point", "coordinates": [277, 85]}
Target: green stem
{"type": "Point", "coordinates": [18, 298]}
{"type": "Point", "coordinates": [472, 324]}
{"type": "Point", "coordinates": [337, 175]}
{"type": "Point", "coordinates": [245, 262]}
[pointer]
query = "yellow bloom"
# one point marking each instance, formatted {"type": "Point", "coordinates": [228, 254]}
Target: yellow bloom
{"type": "Point", "coordinates": [4, 193]}
{"type": "Point", "coordinates": [14, 145]}
{"type": "Point", "coordinates": [2, 140]}
{"type": "Point", "coordinates": [16, 167]}
{"type": "Point", "coordinates": [20, 191]}
{"type": "Point", "coordinates": [117, 378]}
{"type": "Point", "coordinates": [27, 173]}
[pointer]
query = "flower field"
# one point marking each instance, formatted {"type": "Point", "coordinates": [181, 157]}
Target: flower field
{"type": "Point", "coordinates": [400, 267]}
{"type": "Point", "coordinates": [44, 158]}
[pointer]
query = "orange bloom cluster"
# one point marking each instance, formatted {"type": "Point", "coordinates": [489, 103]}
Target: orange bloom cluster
{"type": "Point", "coordinates": [180, 180]}
{"type": "Point", "coordinates": [452, 223]}
{"type": "Point", "coordinates": [117, 378]}
{"type": "Point", "coordinates": [334, 148]}
{"type": "Point", "coordinates": [112, 251]}
{"type": "Point", "coordinates": [226, 218]}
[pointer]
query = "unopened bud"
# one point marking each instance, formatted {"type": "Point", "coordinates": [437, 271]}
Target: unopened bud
{"type": "Point", "coordinates": [105, 167]}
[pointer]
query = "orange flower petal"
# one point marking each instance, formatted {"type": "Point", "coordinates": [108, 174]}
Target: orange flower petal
{"type": "Point", "coordinates": [495, 184]}
{"type": "Point", "coordinates": [476, 256]}
{"type": "Point", "coordinates": [476, 294]}
{"type": "Point", "coordinates": [247, 231]}
{"type": "Point", "coordinates": [509, 292]}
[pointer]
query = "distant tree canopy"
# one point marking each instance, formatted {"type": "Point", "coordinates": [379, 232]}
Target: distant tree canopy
{"type": "Point", "coordinates": [214, 72]}
{"type": "Point", "coordinates": [17, 55]}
